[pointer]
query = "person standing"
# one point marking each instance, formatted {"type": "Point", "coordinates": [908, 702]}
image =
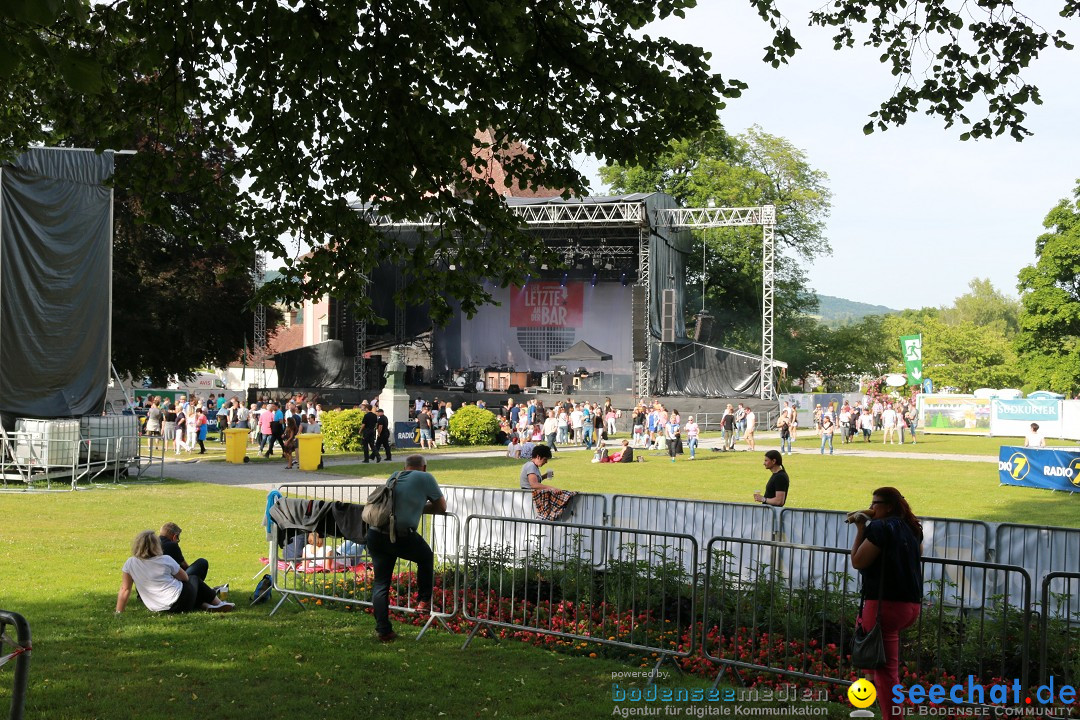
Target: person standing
{"type": "Point", "coordinates": [727, 426]}
{"type": "Point", "coordinates": [776, 490]}
{"type": "Point", "coordinates": [784, 424]}
{"type": "Point", "coordinates": [692, 432]}
{"type": "Point", "coordinates": [154, 417]}
{"type": "Point", "coordinates": [369, 425]}
{"type": "Point", "coordinates": [423, 423]}
{"type": "Point", "coordinates": [382, 434]}
{"type": "Point", "coordinates": [671, 434]}
{"type": "Point", "coordinates": [887, 552]}
{"type": "Point", "coordinates": [888, 425]}
{"type": "Point", "coordinates": [415, 493]}
{"type": "Point", "coordinates": [912, 416]}
{"type": "Point", "coordinates": [740, 421]}
{"type": "Point", "coordinates": [751, 421]}
{"type": "Point", "coordinates": [826, 429]}
{"type": "Point", "coordinates": [550, 429]}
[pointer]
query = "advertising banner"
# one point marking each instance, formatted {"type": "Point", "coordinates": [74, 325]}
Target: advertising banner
{"type": "Point", "coordinates": [911, 350]}
{"type": "Point", "coordinates": [959, 414]}
{"type": "Point", "coordinates": [404, 435]}
{"type": "Point", "coordinates": [1029, 409]}
{"type": "Point", "coordinates": [1044, 468]}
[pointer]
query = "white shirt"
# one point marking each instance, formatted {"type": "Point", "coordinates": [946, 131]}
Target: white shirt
{"type": "Point", "coordinates": [577, 418]}
{"type": "Point", "coordinates": [888, 418]}
{"type": "Point", "coordinates": [1034, 439]}
{"type": "Point", "coordinates": [155, 580]}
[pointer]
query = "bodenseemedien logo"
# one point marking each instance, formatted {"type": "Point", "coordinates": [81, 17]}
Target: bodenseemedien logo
{"type": "Point", "coordinates": [1019, 466]}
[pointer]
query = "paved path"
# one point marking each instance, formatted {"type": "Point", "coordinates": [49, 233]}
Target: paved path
{"type": "Point", "coordinates": [266, 476]}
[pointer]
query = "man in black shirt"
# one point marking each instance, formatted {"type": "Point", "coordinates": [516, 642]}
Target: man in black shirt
{"type": "Point", "coordinates": [368, 426]}
{"type": "Point", "coordinates": [382, 434]}
{"type": "Point", "coordinates": [776, 489]}
{"type": "Point", "coordinates": [170, 545]}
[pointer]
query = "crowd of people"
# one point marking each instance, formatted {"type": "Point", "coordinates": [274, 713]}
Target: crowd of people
{"type": "Point", "coordinates": [895, 419]}
{"type": "Point", "coordinates": [185, 423]}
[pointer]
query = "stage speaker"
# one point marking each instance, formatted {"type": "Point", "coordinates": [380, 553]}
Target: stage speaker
{"type": "Point", "coordinates": [667, 317]}
{"type": "Point", "coordinates": [703, 327]}
{"type": "Point", "coordinates": [640, 324]}
{"type": "Point", "coordinates": [514, 389]}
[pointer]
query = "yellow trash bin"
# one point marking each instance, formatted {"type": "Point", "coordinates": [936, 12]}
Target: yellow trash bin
{"type": "Point", "coordinates": [310, 449]}
{"type": "Point", "coordinates": [236, 445]}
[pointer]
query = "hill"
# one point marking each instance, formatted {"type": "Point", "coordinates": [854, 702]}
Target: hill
{"type": "Point", "coordinates": [838, 311]}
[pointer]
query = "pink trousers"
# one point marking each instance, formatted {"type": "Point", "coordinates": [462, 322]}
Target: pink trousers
{"type": "Point", "coordinates": [895, 616]}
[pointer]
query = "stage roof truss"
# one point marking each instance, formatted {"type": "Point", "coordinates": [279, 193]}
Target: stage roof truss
{"type": "Point", "coordinates": [568, 215]}
{"type": "Point", "coordinates": [711, 217]}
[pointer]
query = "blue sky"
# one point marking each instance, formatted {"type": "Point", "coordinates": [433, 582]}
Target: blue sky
{"type": "Point", "coordinates": [916, 212]}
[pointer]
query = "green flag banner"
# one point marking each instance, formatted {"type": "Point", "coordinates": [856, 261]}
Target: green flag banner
{"type": "Point", "coordinates": [911, 349]}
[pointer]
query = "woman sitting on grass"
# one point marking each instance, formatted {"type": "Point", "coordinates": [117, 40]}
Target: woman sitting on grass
{"type": "Point", "coordinates": [162, 584]}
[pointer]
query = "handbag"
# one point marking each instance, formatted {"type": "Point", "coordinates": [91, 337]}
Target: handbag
{"type": "Point", "coordinates": [868, 648]}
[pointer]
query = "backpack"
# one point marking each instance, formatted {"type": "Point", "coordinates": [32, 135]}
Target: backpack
{"type": "Point", "coordinates": [379, 509]}
{"type": "Point", "coordinates": [263, 591]}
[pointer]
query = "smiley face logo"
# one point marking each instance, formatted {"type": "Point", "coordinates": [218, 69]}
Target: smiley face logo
{"type": "Point", "coordinates": [862, 693]}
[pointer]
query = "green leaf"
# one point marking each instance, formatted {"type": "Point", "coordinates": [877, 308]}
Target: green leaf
{"type": "Point", "coordinates": [81, 72]}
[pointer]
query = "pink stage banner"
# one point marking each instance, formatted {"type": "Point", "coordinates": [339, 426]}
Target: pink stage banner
{"type": "Point", "coordinates": [547, 304]}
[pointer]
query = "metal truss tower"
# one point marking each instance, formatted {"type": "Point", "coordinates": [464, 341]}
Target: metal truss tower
{"type": "Point", "coordinates": [645, 368]}
{"type": "Point", "coordinates": [765, 216]}
{"type": "Point", "coordinates": [259, 349]}
{"type": "Point", "coordinates": [359, 372]}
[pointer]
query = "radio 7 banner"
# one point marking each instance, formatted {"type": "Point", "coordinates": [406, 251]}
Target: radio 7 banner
{"type": "Point", "coordinates": [1045, 468]}
{"type": "Point", "coordinates": [911, 349]}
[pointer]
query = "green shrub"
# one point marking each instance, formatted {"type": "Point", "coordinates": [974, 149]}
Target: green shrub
{"type": "Point", "coordinates": [341, 429]}
{"type": "Point", "coordinates": [473, 426]}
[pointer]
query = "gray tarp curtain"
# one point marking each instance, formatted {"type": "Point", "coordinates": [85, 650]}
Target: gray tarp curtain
{"type": "Point", "coordinates": [55, 283]}
{"type": "Point", "coordinates": [701, 371]}
{"type": "Point", "coordinates": [316, 366]}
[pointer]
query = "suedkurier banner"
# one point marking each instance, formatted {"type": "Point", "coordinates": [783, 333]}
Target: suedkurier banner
{"type": "Point", "coordinates": [1032, 409]}
{"type": "Point", "coordinates": [1045, 468]}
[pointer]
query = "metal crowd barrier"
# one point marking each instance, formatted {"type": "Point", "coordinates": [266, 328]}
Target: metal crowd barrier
{"type": "Point", "coordinates": [29, 458]}
{"type": "Point", "coordinates": [699, 518]}
{"type": "Point", "coordinates": [342, 572]}
{"type": "Point", "coordinates": [790, 609]}
{"type": "Point", "coordinates": [1060, 626]}
{"type": "Point", "coordinates": [539, 580]}
{"type": "Point", "coordinates": [778, 608]}
{"type": "Point", "coordinates": [972, 612]}
{"type": "Point", "coordinates": [21, 656]}
{"type": "Point", "coordinates": [1041, 551]}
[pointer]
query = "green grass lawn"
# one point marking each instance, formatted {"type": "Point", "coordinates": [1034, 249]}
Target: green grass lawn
{"type": "Point", "coordinates": [60, 559]}
{"type": "Point", "coordinates": [840, 482]}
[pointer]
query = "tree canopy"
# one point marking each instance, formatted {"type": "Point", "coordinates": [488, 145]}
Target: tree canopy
{"type": "Point", "coordinates": [326, 103]}
{"type": "Point", "coordinates": [1049, 337]}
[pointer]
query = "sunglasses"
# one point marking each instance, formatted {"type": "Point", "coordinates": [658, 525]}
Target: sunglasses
{"type": "Point", "coordinates": [878, 502]}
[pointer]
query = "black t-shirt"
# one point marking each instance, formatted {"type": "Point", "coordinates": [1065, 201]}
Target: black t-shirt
{"type": "Point", "coordinates": [777, 483]}
{"type": "Point", "coordinates": [172, 549]}
{"type": "Point", "coordinates": [728, 421]}
{"type": "Point", "coordinates": [383, 424]}
{"type": "Point", "coordinates": [369, 421]}
{"type": "Point", "coordinates": [899, 561]}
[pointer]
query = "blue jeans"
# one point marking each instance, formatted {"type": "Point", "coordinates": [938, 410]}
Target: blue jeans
{"type": "Point", "coordinates": [785, 442]}
{"type": "Point", "coordinates": [826, 437]}
{"type": "Point", "coordinates": [384, 555]}
{"type": "Point", "coordinates": [588, 437]}
{"type": "Point", "coordinates": [692, 444]}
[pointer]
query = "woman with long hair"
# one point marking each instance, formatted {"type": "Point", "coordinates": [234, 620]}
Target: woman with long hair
{"type": "Point", "coordinates": [888, 552]}
{"type": "Point", "coordinates": [288, 441]}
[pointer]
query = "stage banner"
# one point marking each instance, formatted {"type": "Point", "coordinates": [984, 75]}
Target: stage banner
{"type": "Point", "coordinates": [547, 304]}
{"type": "Point", "coordinates": [1030, 409]}
{"type": "Point", "coordinates": [911, 349]}
{"type": "Point", "coordinates": [1044, 468]}
{"type": "Point", "coordinates": [959, 414]}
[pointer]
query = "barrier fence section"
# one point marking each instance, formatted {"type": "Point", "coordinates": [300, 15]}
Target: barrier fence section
{"type": "Point", "coordinates": [542, 579]}
{"type": "Point", "coordinates": [778, 608]}
{"type": "Point", "coordinates": [20, 653]}
{"type": "Point", "coordinates": [700, 518]}
{"type": "Point", "coordinates": [1059, 632]}
{"type": "Point", "coordinates": [340, 569]}
{"type": "Point", "coordinates": [790, 609]}
{"type": "Point", "coordinates": [1041, 551]}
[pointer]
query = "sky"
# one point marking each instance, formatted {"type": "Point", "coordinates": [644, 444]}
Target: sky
{"type": "Point", "coordinates": [917, 213]}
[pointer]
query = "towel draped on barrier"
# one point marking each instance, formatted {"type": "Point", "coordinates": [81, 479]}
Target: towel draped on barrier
{"type": "Point", "coordinates": [329, 517]}
{"type": "Point", "coordinates": [551, 504]}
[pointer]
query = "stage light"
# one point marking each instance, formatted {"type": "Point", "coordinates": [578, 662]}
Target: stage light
{"type": "Point", "coordinates": [609, 266]}
{"type": "Point", "coordinates": [453, 266]}
{"type": "Point", "coordinates": [564, 277]}
{"type": "Point", "coordinates": [528, 278]}
{"type": "Point", "coordinates": [594, 279]}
